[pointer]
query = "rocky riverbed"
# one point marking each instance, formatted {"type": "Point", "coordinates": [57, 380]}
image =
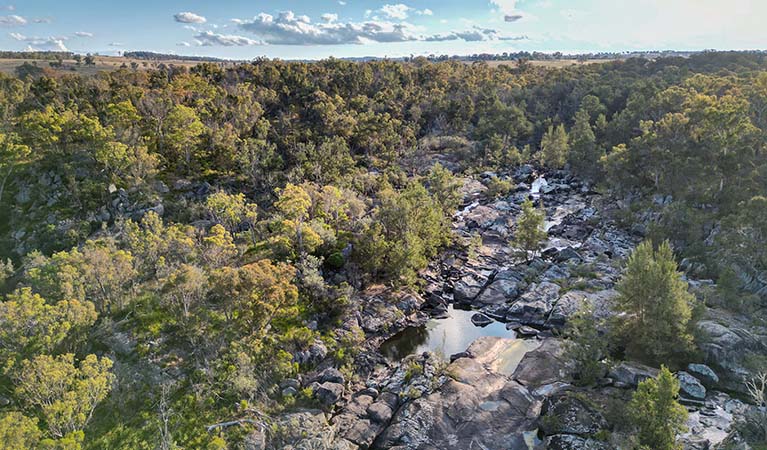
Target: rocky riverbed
{"type": "Point", "coordinates": [509, 385]}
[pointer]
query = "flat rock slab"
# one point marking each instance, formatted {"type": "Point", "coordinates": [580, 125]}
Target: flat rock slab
{"type": "Point", "coordinates": [544, 365]}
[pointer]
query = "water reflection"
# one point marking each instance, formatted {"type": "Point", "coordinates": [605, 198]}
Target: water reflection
{"type": "Point", "coordinates": [441, 336]}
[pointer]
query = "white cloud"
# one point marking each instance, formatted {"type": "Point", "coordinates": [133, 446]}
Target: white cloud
{"type": "Point", "coordinates": [83, 34]}
{"type": "Point", "coordinates": [508, 8]}
{"type": "Point", "coordinates": [573, 14]}
{"type": "Point", "coordinates": [189, 17]}
{"type": "Point", "coordinates": [184, 44]}
{"type": "Point", "coordinates": [116, 44]}
{"type": "Point", "coordinates": [36, 44]}
{"type": "Point", "coordinates": [342, 2]}
{"type": "Point", "coordinates": [398, 11]}
{"type": "Point", "coordinates": [425, 12]}
{"type": "Point", "coordinates": [12, 21]}
{"type": "Point", "coordinates": [289, 29]}
{"type": "Point", "coordinates": [475, 34]}
{"type": "Point", "coordinates": [209, 38]}
{"type": "Point", "coordinates": [505, 6]}
{"type": "Point", "coordinates": [328, 17]}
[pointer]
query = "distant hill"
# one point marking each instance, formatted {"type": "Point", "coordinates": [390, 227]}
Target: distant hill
{"type": "Point", "coordinates": [152, 56]}
{"type": "Point", "coordinates": [46, 56]}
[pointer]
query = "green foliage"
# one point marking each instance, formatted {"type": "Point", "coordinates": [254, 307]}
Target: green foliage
{"type": "Point", "coordinates": [586, 346]}
{"type": "Point", "coordinates": [293, 203]}
{"type": "Point", "coordinates": [231, 210]}
{"type": "Point", "coordinates": [186, 288]}
{"type": "Point", "coordinates": [500, 155]}
{"type": "Point", "coordinates": [259, 162]}
{"type": "Point", "coordinates": [294, 234]}
{"type": "Point", "coordinates": [328, 162]}
{"type": "Point", "coordinates": [64, 393]}
{"type": "Point", "coordinates": [508, 122]}
{"type": "Point", "coordinates": [443, 187]}
{"type": "Point", "coordinates": [18, 432]}
{"type": "Point", "coordinates": [529, 233]}
{"type": "Point", "coordinates": [31, 326]}
{"type": "Point", "coordinates": [656, 303]}
{"type": "Point", "coordinates": [256, 295]}
{"type": "Point", "coordinates": [497, 187]}
{"type": "Point", "coordinates": [327, 150]}
{"type": "Point", "coordinates": [98, 271]}
{"type": "Point", "coordinates": [123, 117]}
{"type": "Point", "coordinates": [409, 228]}
{"type": "Point", "coordinates": [339, 208]}
{"type": "Point", "coordinates": [412, 370]}
{"type": "Point", "coordinates": [475, 243]}
{"type": "Point", "coordinates": [6, 271]}
{"type": "Point", "coordinates": [742, 245]}
{"type": "Point", "coordinates": [554, 147]}
{"type": "Point", "coordinates": [584, 155]}
{"type": "Point", "coordinates": [218, 247]}
{"type": "Point", "coordinates": [12, 156]}
{"type": "Point", "coordinates": [180, 135]}
{"type": "Point", "coordinates": [658, 417]}
{"type": "Point", "coordinates": [157, 246]}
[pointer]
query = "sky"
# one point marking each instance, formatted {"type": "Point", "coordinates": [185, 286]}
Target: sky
{"type": "Point", "coordinates": [312, 29]}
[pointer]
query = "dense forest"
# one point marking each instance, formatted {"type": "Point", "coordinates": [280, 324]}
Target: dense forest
{"type": "Point", "coordinates": [174, 242]}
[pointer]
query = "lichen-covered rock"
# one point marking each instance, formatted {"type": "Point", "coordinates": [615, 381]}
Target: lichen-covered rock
{"type": "Point", "coordinates": [572, 442]}
{"type": "Point", "coordinates": [362, 433]}
{"type": "Point", "coordinates": [712, 424]}
{"type": "Point", "coordinates": [332, 375]}
{"type": "Point", "coordinates": [629, 374]}
{"type": "Point", "coordinates": [703, 373]}
{"type": "Point", "coordinates": [547, 364]}
{"type": "Point", "coordinates": [569, 413]}
{"type": "Point", "coordinates": [728, 345]}
{"type": "Point", "coordinates": [481, 320]}
{"type": "Point", "coordinates": [498, 292]}
{"type": "Point", "coordinates": [313, 355]}
{"type": "Point", "coordinates": [534, 306]}
{"type": "Point", "coordinates": [467, 288]}
{"type": "Point", "coordinates": [380, 412]}
{"type": "Point", "coordinates": [476, 407]}
{"type": "Point", "coordinates": [329, 393]}
{"type": "Point", "coordinates": [690, 387]}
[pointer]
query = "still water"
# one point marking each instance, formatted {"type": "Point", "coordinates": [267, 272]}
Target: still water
{"type": "Point", "coordinates": [454, 334]}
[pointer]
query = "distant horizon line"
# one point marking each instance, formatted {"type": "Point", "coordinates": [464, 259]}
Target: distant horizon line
{"type": "Point", "coordinates": [159, 56]}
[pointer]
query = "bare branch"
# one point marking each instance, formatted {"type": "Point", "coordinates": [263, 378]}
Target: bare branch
{"type": "Point", "coordinates": [757, 388]}
{"type": "Point", "coordinates": [231, 423]}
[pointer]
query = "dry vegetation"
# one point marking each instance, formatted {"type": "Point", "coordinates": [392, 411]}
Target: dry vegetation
{"type": "Point", "coordinates": [103, 63]}
{"type": "Point", "coordinates": [556, 64]}
{"type": "Point", "coordinates": [106, 63]}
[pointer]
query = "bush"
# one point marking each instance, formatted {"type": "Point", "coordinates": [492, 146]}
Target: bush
{"type": "Point", "coordinates": [657, 414]}
{"type": "Point", "coordinates": [498, 188]}
{"type": "Point", "coordinates": [657, 305]}
{"type": "Point", "coordinates": [586, 346]}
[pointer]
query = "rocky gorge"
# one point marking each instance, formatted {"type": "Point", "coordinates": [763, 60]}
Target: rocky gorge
{"type": "Point", "coordinates": [476, 358]}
